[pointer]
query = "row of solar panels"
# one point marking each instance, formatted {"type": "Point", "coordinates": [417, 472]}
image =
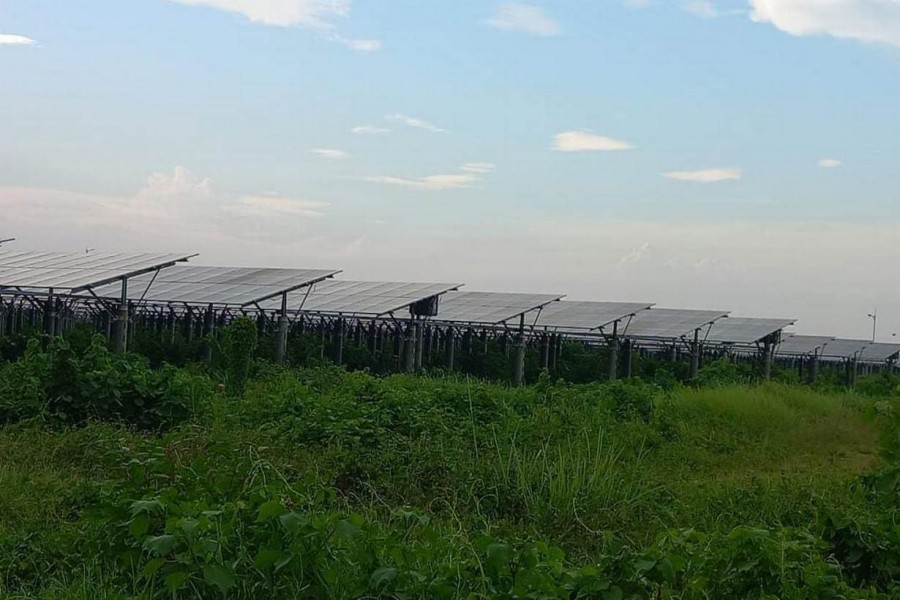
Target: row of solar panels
{"type": "Point", "coordinates": [158, 279]}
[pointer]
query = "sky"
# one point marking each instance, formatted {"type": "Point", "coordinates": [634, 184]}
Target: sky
{"type": "Point", "coordinates": [739, 155]}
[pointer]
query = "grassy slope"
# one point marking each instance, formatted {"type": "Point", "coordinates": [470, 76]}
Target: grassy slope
{"type": "Point", "coordinates": [563, 464]}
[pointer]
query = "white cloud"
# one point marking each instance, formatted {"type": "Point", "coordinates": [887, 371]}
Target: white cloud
{"type": "Point", "coordinates": [478, 167]}
{"type": "Point", "coordinates": [414, 122]}
{"type": "Point", "coordinates": [8, 39]}
{"type": "Point", "coordinates": [329, 153]}
{"type": "Point", "coordinates": [527, 18]}
{"type": "Point", "coordinates": [585, 141]}
{"type": "Point", "coordinates": [829, 163]}
{"type": "Point", "coordinates": [866, 20]}
{"type": "Point", "coordinates": [366, 46]}
{"type": "Point", "coordinates": [173, 209]}
{"type": "Point", "coordinates": [705, 175]}
{"type": "Point", "coordinates": [283, 13]}
{"type": "Point", "coordinates": [701, 8]}
{"type": "Point", "coordinates": [273, 206]}
{"type": "Point", "coordinates": [432, 182]}
{"type": "Point", "coordinates": [369, 130]}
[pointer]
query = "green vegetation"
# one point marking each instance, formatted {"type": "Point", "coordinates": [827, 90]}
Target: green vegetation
{"type": "Point", "coordinates": [122, 480]}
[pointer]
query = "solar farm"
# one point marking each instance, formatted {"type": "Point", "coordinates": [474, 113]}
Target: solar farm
{"type": "Point", "coordinates": [406, 321]}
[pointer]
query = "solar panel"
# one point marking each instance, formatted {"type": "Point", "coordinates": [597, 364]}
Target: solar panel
{"type": "Point", "coordinates": [879, 352]}
{"type": "Point", "coordinates": [838, 349]}
{"type": "Point", "coordinates": [581, 317]}
{"type": "Point", "coordinates": [362, 298]}
{"type": "Point", "coordinates": [745, 330]}
{"type": "Point", "coordinates": [801, 345]}
{"type": "Point", "coordinates": [669, 323]}
{"type": "Point", "coordinates": [76, 272]}
{"type": "Point", "coordinates": [221, 286]}
{"type": "Point", "coordinates": [489, 308]}
{"type": "Point", "coordinates": [7, 240]}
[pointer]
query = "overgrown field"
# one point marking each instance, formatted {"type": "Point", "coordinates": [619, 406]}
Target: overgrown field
{"type": "Point", "coordinates": [117, 481]}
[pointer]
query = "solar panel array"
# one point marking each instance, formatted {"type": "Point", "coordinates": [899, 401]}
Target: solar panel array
{"type": "Point", "coordinates": [155, 278]}
{"type": "Point", "coordinates": [362, 298]}
{"type": "Point", "coordinates": [583, 317]}
{"type": "Point", "coordinates": [490, 308]}
{"type": "Point", "coordinates": [669, 323]}
{"type": "Point", "coordinates": [838, 349]}
{"type": "Point", "coordinates": [218, 286]}
{"type": "Point", "coordinates": [802, 345]}
{"type": "Point", "coordinates": [880, 352]}
{"type": "Point", "coordinates": [76, 272]}
{"type": "Point", "coordinates": [744, 330]}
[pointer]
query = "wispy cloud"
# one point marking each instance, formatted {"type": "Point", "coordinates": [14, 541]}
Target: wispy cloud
{"type": "Point", "coordinates": [8, 39]}
{"type": "Point", "coordinates": [470, 174]}
{"type": "Point", "coordinates": [701, 8]}
{"type": "Point", "coordinates": [866, 20]}
{"type": "Point", "coordinates": [705, 175]}
{"type": "Point", "coordinates": [526, 18]}
{"type": "Point", "coordinates": [283, 13]}
{"type": "Point", "coordinates": [478, 167]}
{"type": "Point", "coordinates": [432, 182]}
{"type": "Point", "coordinates": [585, 141]}
{"type": "Point", "coordinates": [365, 46]}
{"type": "Point", "coordinates": [414, 122]}
{"type": "Point", "coordinates": [330, 153]}
{"type": "Point", "coordinates": [273, 205]}
{"type": "Point", "coordinates": [829, 163]}
{"type": "Point", "coordinates": [369, 130]}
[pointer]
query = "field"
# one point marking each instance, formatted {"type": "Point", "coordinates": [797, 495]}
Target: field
{"type": "Point", "coordinates": [119, 480]}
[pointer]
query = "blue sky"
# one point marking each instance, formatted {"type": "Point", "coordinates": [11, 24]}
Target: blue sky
{"type": "Point", "coordinates": [727, 154]}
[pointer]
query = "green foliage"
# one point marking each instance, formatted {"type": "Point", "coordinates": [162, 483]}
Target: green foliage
{"type": "Point", "coordinates": [323, 483]}
{"type": "Point", "coordinates": [68, 387]}
{"type": "Point", "coordinates": [238, 347]}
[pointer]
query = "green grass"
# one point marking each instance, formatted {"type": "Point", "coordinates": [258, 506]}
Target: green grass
{"type": "Point", "coordinates": [446, 487]}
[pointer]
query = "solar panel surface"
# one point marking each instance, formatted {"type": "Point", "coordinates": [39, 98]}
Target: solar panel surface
{"type": "Point", "coordinates": [801, 345]}
{"type": "Point", "coordinates": [362, 298]}
{"type": "Point", "coordinates": [579, 316]}
{"type": "Point", "coordinates": [669, 323]}
{"type": "Point", "coordinates": [490, 308]}
{"type": "Point", "coordinates": [879, 352]}
{"type": "Point", "coordinates": [222, 286]}
{"type": "Point", "coordinates": [841, 349]}
{"type": "Point", "coordinates": [745, 330]}
{"type": "Point", "coordinates": [75, 272]}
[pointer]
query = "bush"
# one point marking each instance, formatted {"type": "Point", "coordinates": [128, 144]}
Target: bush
{"type": "Point", "coordinates": [69, 387]}
{"type": "Point", "coordinates": [630, 399]}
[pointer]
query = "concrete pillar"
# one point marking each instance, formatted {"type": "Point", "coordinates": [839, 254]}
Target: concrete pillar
{"type": "Point", "coordinates": [372, 338]}
{"type": "Point", "coordinates": [545, 351]}
{"type": "Point", "coordinates": [449, 348]}
{"type": "Point", "coordinates": [768, 358]}
{"type": "Point", "coordinates": [420, 345]}
{"type": "Point", "coordinates": [695, 355]}
{"type": "Point", "coordinates": [340, 332]}
{"type": "Point", "coordinates": [629, 356]}
{"type": "Point", "coordinates": [409, 344]}
{"type": "Point", "coordinates": [519, 370]}
{"type": "Point", "coordinates": [50, 315]}
{"type": "Point", "coordinates": [209, 327]}
{"type": "Point", "coordinates": [283, 328]}
{"type": "Point", "coordinates": [120, 342]}
{"type": "Point", "coordinates": [613, 353]}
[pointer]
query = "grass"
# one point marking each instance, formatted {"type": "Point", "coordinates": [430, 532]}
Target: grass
{"type": "Point", "coordinates": [445, 487]}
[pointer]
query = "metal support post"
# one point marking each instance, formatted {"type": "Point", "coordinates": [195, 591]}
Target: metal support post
{"type": "Point", "coordinates": [520, 353]}
{"type": "Point", "coordinates": [449, 348]}
{"type": "Point", "coordinates": [613, 353]}
{"type": "Point", "coordinates": [121, 336]}
{"type": "Point", "coordinates": [283, 326]}
{"type": "Point", "coordinates": [409, 347]}
{"type": "Point", "coordinates": [695, 355]}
